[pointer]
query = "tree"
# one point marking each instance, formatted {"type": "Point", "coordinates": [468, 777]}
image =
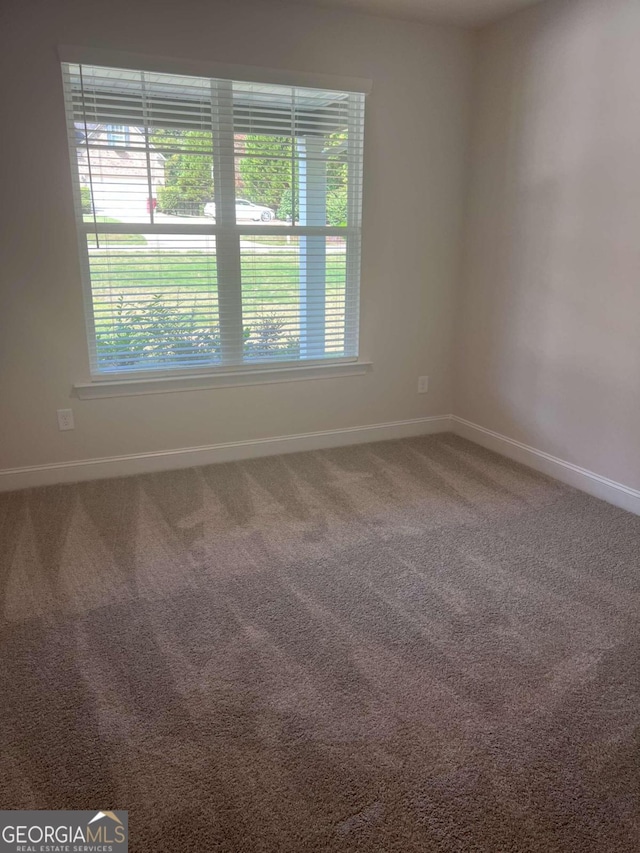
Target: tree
{"type": "Point", "coordinates": [337, 207]}
{"type": "Point", "coordinates": [336, 150]}
{"type": "Point", "coordinates": [188, 173]}
{"type": "Point", "coordinates": [265, 170]}
{"type": "Point", "coordinates": [336, 182]}
{"type": "Point", "coordinates": [85, 199]}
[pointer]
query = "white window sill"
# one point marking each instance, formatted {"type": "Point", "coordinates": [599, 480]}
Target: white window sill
{"type": "Point", "coordinates": [121, 387]}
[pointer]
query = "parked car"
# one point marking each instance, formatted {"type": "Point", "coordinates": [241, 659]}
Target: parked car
{"type": "Point", "coordinates": [246, 211]}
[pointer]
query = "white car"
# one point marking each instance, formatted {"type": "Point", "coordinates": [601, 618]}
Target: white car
{"type": "Point", "coordinates": [246, 211]}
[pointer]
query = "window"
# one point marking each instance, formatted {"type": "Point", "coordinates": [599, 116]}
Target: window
{"type": "Point", "coordinates": [117, 134]}
{"type": "Point", "coordinates": [219, 221]}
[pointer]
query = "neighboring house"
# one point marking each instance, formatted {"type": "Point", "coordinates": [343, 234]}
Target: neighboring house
{"type": "Point", "coordinates": [124, 174]}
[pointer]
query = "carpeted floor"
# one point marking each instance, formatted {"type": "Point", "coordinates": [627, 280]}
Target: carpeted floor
{"type": "Point", "coordinates": [405, 646]}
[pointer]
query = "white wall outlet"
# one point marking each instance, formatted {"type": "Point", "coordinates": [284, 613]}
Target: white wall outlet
{"type": "Point", "coordinates": [423, 384]}
{"type": "Point", "coordinates": [65, 419]}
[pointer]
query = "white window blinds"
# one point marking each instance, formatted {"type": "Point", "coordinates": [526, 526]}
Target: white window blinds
{"type": "Point", "coordinates": [219, 220]}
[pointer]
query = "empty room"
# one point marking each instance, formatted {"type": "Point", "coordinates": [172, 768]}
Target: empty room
{"type": "Point", "coordinates": [320, 426]}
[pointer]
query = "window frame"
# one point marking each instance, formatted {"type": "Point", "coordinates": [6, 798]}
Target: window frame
{"type": "Point", "coordinates": [228, 232]}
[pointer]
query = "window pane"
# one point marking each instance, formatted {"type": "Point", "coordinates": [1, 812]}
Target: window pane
{"type": "Point", "coordinates": [155, 300]}
{"type": "Point", "coordinates": [294, 296]}
{"type": "Point", "coordinates": [293, 150]}
{"type": "Point", "coordinates": [122, 181]}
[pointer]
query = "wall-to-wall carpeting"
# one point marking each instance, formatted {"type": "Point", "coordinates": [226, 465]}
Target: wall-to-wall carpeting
{"type": "Point", "coordinates": [405, 646]}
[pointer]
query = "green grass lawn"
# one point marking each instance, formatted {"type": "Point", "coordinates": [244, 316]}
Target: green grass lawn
{"type": "Point", "coordinates": [271, 278]}
{"type": "Point", "coordinates": [111, 239]}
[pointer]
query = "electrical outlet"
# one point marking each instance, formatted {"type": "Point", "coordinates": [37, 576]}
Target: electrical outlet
{"type": "Point", "coordinates": [423, 384]}
{"type": "Point", "coordinates": [65, 419]}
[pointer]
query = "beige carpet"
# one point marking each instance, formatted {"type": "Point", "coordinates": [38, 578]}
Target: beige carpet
{"type": "Point", "coordinates": [404, 646]}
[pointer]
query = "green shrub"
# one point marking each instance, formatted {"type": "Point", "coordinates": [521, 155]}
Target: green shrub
{"type": "Point", "coordinates": [285, 209]}
{"type": "Point", "coordinates": [269, 337]}
{"type": "Point", "coordinates": [336, 207]}
{"type": "Point", "coordinates": [156, 331]}
{"type": "Point", "coordinates": [151, 332]}
{"type": "Point", "coordinates": [85, 200]}
{"type": "Point", "coordinates": [188, 174]}
{"type": "Point", "coordinates": [173, 200]}
{"type": "Point", "coordinates": [265, 168]}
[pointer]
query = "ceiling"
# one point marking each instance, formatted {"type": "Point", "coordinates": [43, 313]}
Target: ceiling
{"type": "Point", "coordinates": [464, 12]}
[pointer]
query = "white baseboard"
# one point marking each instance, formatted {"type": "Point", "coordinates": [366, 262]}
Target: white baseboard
{"type": "Point", "coordinates": [581, 478]}
{"type": "Point", "coordinates": [186, 457]}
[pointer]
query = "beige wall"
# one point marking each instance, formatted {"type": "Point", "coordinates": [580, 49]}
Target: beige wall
{"type": "Point", "coordinates": [548, 335]}
{"type": "Point", "coordinates": [414, 164]}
